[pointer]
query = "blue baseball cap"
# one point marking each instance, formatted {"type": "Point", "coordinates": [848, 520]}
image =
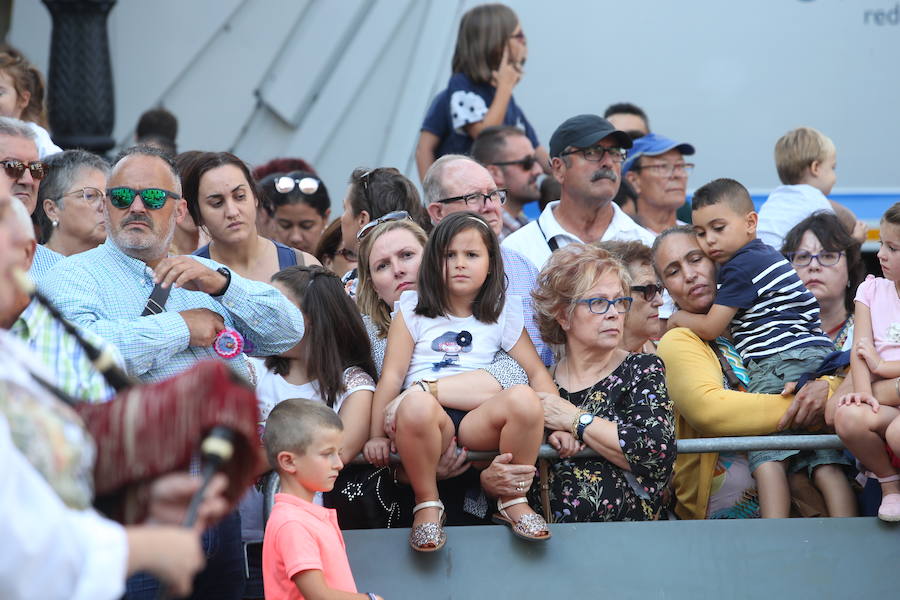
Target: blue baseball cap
{"type": "Point", "coordinates": [653, 144]}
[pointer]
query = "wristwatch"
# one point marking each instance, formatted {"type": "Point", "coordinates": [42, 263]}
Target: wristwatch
{"type": "Point", "coordinates": [584, 420]}
{"type": "Point", "coordinates": [430, 386]}
{"type": "Point", "coordinates": [223, 271]}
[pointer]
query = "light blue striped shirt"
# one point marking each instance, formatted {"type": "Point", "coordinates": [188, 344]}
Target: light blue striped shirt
{"type": "Point", "coordinates": [44, 260]}
{"type": "Point", "coordinates": [105, 291]}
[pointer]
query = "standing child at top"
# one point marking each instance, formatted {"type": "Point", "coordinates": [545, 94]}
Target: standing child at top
{"type": "Point", "coordinates": [22, 97]}
{"type": "Point", "coordinates": [869, 418]}
{"type": "Point", "coordinates": [456, 321]}
{"type": "Point", "coordinates": [487, 64]}
{"type": "Point", "coordinates": [806, 160]}
{"type": "Point", "coordinates": [774, 321]}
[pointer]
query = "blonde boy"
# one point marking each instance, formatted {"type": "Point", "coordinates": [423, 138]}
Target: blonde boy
{"type": "Point", "coordinates": [304, 556]}
{"type": "Point", "coordinates": [806, 160]}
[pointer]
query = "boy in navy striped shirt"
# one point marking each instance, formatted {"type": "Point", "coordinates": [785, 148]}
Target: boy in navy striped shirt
{"type": "Point", "coordinates": [774, 322]}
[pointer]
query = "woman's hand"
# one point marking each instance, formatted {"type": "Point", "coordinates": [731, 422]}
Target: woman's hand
{"type": "Point", "coordinates": [565, 443]}
{"type": "Point", "coordinates": [378, 451]}
{"type": "Point", "coordinates": [503, 478]}
{"type": "Point", "coordinates": [558, 413]}
{"type": "Point", "coordinates": [859, 399]}
{"type": "Point", "coordinates": [453, 462]}
{"type": "Point", "coordinates": [808, 407]}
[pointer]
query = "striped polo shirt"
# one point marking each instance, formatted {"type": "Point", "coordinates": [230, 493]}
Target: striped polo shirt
{"type": "Point", "coordinates": [775, 310]}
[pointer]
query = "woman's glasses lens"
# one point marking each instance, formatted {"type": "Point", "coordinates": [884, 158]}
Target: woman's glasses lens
{"type": "Point", "coordinates": [648, 291]}
{"type": "Point", "coordinates": [804, 259]}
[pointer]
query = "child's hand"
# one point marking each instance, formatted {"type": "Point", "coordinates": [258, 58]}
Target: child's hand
{"type": "Point", "coordinates": [390, 416]}
{"type": "Point", "coordinates": [564, 443]}
{"type": "Point", "coordinates": [860, 229]}
{"type": "Point", "coordinates": [378, 451]}
{"type": "Point", "coordinates": [866, 350]}
{"type": "Point", "coordinates": [508, 74]}
{"type": "Point", "coordinates": [859, 399]}
{"type": "Point", "coordinates": [672, 321]}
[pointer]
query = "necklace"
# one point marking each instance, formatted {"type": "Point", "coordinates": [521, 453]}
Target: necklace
{"type": "Point", "coordinates": [569, 392]}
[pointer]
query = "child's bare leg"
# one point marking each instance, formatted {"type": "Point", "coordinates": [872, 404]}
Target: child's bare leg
{"type": "Point", "coordinates": [772, 488]}
{"type": "Point", "coordinates": [512, 421]}
{"type": "Point", "coordinates": [423, 432]}
{"type": "Point", "coordinates": [864, 432]}
{"type": "Point", "coordinates": [836, 490]}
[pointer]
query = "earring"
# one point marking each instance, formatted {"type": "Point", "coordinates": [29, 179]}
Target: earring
{"type": "Point", "coordinates": [55, 223]}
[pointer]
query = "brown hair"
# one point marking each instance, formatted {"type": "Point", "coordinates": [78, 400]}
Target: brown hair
{"type": "Point", "coordinates": [367, 298]}
{"type": "Point", "coordinates": [483, 34]}
{"type": "Point", "coordinates": [569, 274]}
{"type": "Point", "coordinates": [334, 334]}
{"type": "Point", "coordinates": [434, 301]}
{"type": "Point", "coordinates": [26, 79]}
{"type": "Point", "coordinates": [834, 237]}
{"type": "Point", "coordinates": [384, 190]}
{"type": "Point", "coordinates": [796, 150]}
{"type": "Point", "coordinates": [892, 214]}
{"type": "Point", "coordinates": [196, 166]}
{"type": "Point", "coordinates": [629, 252]}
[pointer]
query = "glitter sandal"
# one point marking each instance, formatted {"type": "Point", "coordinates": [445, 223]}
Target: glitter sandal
{"type": "Point", "coordinates": [428, 537]}
{"type": "Point", "coordinates": [530, 526]}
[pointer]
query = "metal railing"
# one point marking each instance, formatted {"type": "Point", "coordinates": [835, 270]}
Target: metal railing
{"type": "Point", "coordinates": [693, 446]}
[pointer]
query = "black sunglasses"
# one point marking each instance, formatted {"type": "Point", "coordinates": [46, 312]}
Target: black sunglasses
{"type": "Point", "coordinates": [153, 198]}
{"type": "Point", "coordinates": [15, 168]}
{"type": "Point", "coordinates": [526, 163]}
{"type": "Point", "coordinates": [649, 291]}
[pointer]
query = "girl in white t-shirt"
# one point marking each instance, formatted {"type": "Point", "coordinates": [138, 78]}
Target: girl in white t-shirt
{"type": "Point", "coordinates": [456, 321]}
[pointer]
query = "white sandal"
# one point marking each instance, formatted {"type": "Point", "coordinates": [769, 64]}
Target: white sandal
{"type": "Point", "coordinates": [428, 537]}
{"type": "Point", "coordinates": [530, 526]}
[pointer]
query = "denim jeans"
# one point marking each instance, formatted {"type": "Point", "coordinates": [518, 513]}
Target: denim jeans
{"type": "Point", "coordinates": [223, 577]}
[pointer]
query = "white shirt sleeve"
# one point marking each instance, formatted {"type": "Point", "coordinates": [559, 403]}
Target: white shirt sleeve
{"type": "Point", "coordinates": [50, 551]}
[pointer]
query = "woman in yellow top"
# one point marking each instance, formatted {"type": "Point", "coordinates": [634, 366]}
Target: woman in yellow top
{"type": "Point", "coordinates": [707, 404]}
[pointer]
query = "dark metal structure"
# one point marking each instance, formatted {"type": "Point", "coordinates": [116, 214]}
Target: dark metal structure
{"type": "Point", "coordinates": [80, 99]}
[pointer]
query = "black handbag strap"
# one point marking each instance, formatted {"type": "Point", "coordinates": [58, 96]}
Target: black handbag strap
{"type": "Point", "coordinates": [156, 303]}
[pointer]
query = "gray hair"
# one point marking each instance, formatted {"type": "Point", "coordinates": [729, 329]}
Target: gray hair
{"type": "Point", "coordinates": [433, 185]}
{"type": "Point", "coordinates": [64, 168]}
{"type": "Point", "coordinates": [23, 219]}
{"type": "Point", "coordinates": [16, 128]}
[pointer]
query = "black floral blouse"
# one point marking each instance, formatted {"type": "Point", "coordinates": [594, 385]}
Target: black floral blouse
{"type": "Point", "coordinates": [633, 396]}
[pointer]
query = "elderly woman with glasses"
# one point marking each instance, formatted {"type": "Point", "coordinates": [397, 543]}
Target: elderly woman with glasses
{"type": "Point", "coordinates": [70, 208]}
{"type": "Point", "coordinates": [642, 326]}
{"type": "Point", "coordinates": [611, 400]}
{"type": "Point", "coordinates": [829, 263]}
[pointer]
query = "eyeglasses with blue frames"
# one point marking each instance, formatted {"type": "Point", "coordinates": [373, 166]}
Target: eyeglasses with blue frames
{"type": "Point", "coordinates": [398, 215]}
{"type": "Point", "coordinates": [649, 291]}
{"type": "Point", "coordinates": [600, 306]}
{"type": "Point", "coordinates": [596, 153]}
{"type": "Point", "coordinates": [477, 200]}
{"type": "Point", "coordinates": [804, 258]}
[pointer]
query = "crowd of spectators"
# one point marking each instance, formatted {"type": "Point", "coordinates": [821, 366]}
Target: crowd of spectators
{"type": "Point", "coordinates": [423, 327]}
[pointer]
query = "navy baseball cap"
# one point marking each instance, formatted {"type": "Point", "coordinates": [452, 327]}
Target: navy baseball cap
{"type": "Point", "coordinates": [653, 144]}
{"type": "Point", "coordinates": [583, 131]}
